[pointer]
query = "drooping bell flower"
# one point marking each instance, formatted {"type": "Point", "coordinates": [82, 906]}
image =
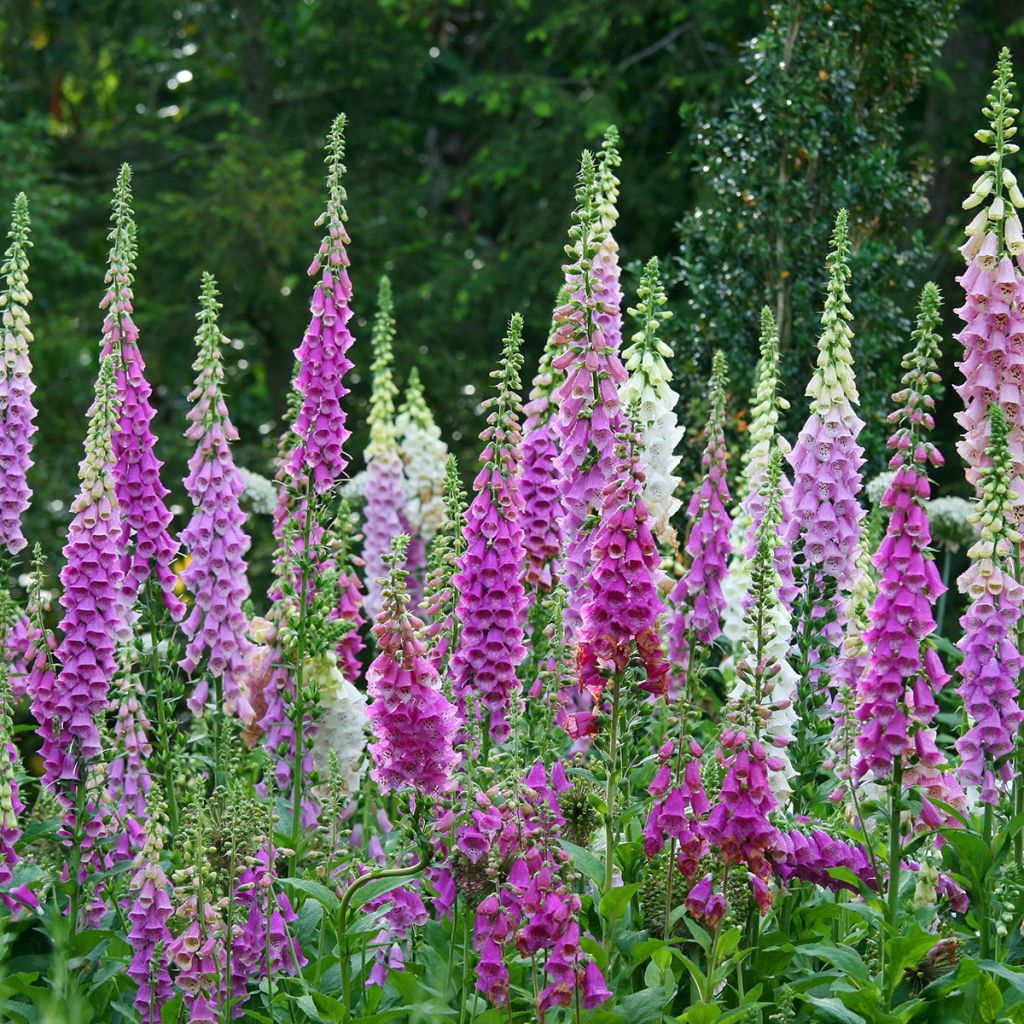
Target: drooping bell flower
{"type": "Point", "coordinates": [319, 426]}
{"type": "Point", "coordinates": [896, 695]}
{"type": "Point", "coordinates": [826, 513]}
{"type": "Point", "coordinates": [851, 664]}
{"type": "Point", "coordinates": [767, 407]}
{"type": "Point", "coordinates": [11, 805]}
{"type": "Point", "coordinates": [385, 481]}
{"type": "Point", "coordinates": [149, 935]}
{"type": "Point", "coordinates": [412, 723]}
{"type": "Point", "coordinates": [93, 621]}
{"type": "Point", "coordinates": [147, 547]}
{"type": "Point", "coordinates": [17, 413]}
{"type": "Point", "coordinates": [697, 598]}
{"type": "Point", "coordinates": [738, 826]}
{"type": "Point", "coordinates": [765, 677]}
{"type": "Point", "coordinates": [649, 393]}
{"type": "Point", "coordinates": [215, 537]}
{"type": "Point", "coordinates": [993, 335]}
{"type": "Point", "coordinates": [620, 617]}
{"type": "Point", "coordinates": [588, 414]}
{"type": "Point", "coordinates": [128, 777]}
{"type": "Point", "coordinates": [492, 602]}
{"type": "Point", "coordinates": [992, 659]}
{"type": "Point", "coordinates": [424, 456]}
{"type": "Point", "coordinates": [539, 482]}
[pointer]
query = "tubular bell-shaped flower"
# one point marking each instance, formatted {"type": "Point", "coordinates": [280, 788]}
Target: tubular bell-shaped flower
{"type": "Point", "coordinates": [11, 804]}
{"type": "Point", "coordinates": [319, 426]}
{"type": "Point", "coordinates": [621, 614]}
{"type": "Point", "coordinates": [542, 502]}
{"type": "Point", "coordinates": [385, 484]}
{"type": "Point", "coordinates": [826, 462]}
{"type": "Point", "coordinates": [766, 409]}
{"type": "Point", "coordinates": [697, 597]}
{"type": "Point", "coordinates": [149, 934]}
{"type": "Point", "coordinates": [17, 412]}
{"type": "Point", "coordinates": [147, 547]}
{"type": "Point", "coordinates": [588, 414]}
{"type": "Point", "coordinates": [763, 669]}
{"type": "Point", "coordinates": [993, 338]}
{"type": "Point", "coordinates": [992, 659]}
{"type": "Point", "coordinates": [414, 726]}
{"type": "Point", "coordinates": [215, 537]}
{"type": "Point", "coordinates": [896, 694]}
{"type": "Point", "coordinates": [93, 603]}
{"type": "Point", "coordinates": [492, 601]}
{"type": "Point", "coordinates": [649, 392]}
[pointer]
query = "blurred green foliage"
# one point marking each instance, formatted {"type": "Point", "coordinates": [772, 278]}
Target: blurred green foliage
{"type": "Point", "coordinates": [466, 119]}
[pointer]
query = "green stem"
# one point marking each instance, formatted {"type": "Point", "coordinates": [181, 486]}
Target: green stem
{"type": "Point", "coordinates": [707, 994]}
{"type": "Point", "coordinates": [895, 800]}
{"type": "Point", "coordinates": [609, 821]}
{"type": "Point", "coordinates": [299, 715]}
{"type": "Point", "coordinates": [984, 938]}
{"type": "Point", "coordinates": [166, 762]}
{"type": "Point", "coordinates": [344, 958]}
{"type": "Point", "coordinates": [940, 611]}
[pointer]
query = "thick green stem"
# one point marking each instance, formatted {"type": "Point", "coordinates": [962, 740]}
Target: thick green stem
{"type": "Point", "coordinates": [609, 821]}
{"type": "Point", "coordinates": [299, 714]}
{"type": "Point", "coordinates": [895, 802]}
{"type": "Point", "coordinates": [166, 762]}
{"type": "Point", "coordinates": [984, 923]}
{"type": "Point", "coordinates": [341, 930]}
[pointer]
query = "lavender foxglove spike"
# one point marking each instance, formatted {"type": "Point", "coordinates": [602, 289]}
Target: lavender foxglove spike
{"type": "Point", "coordinates": [215, 537]}
{"type": "Point", "coordinates": [17, 413]}
{"type": "Point", "coordinates": [993, 286]}
{"type": "Point", "coordinates": [148, 549]}
{"type": "Point", "coordinates": [385, 481]}
{"type": "Point", "coordinates": [896, 695]}
{"type": "Point", "coordinates": [492, 602]}
{"type": "Point", "coordinates": [319, 426]}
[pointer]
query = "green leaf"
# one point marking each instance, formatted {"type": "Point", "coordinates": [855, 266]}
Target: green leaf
{"type": "Point", "coordinates": [615, 901]}
{"type": "Point", "coordinates": [847, 960]}
{"type": "Point", "coordinates": [378, 887]}
{"type": "Point", "coordinates": [170, 1010]}
{"type": "Point", "coordinates": [903, 951]}
{"type": "Point", "coordinates": [324, 896]}
{"type": "Point", "coordinates": [584, 861]}
{"type": "Point", "coordinates": [832, 1011]}
{"type": "Point", "coordinates": [645, 1007]}
{"type": "Point", "coordinates": [700, 1013]}
{"type": "Point", "coordinates": [990, 999]}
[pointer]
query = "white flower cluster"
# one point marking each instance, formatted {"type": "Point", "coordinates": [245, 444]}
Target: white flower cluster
{"type": "Point", "coordinates": [736, 583]}
{"type": "Point", "coordinates": [950, 524]}
{"type": "Point", "coordinates": [354, 487]}
{"type": "Point", "coordinates": [778, 629]}
{"type": "Point", "coordinates": [343, 722]}
{"type": "Point", "coordinates": [260, 494]}
{"type": "Point", "coordinates": [996, 177]}
{"type": "Point", "coordinates": [650, 401]}
{"type": "Point", "coordinates": [424, 456]}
